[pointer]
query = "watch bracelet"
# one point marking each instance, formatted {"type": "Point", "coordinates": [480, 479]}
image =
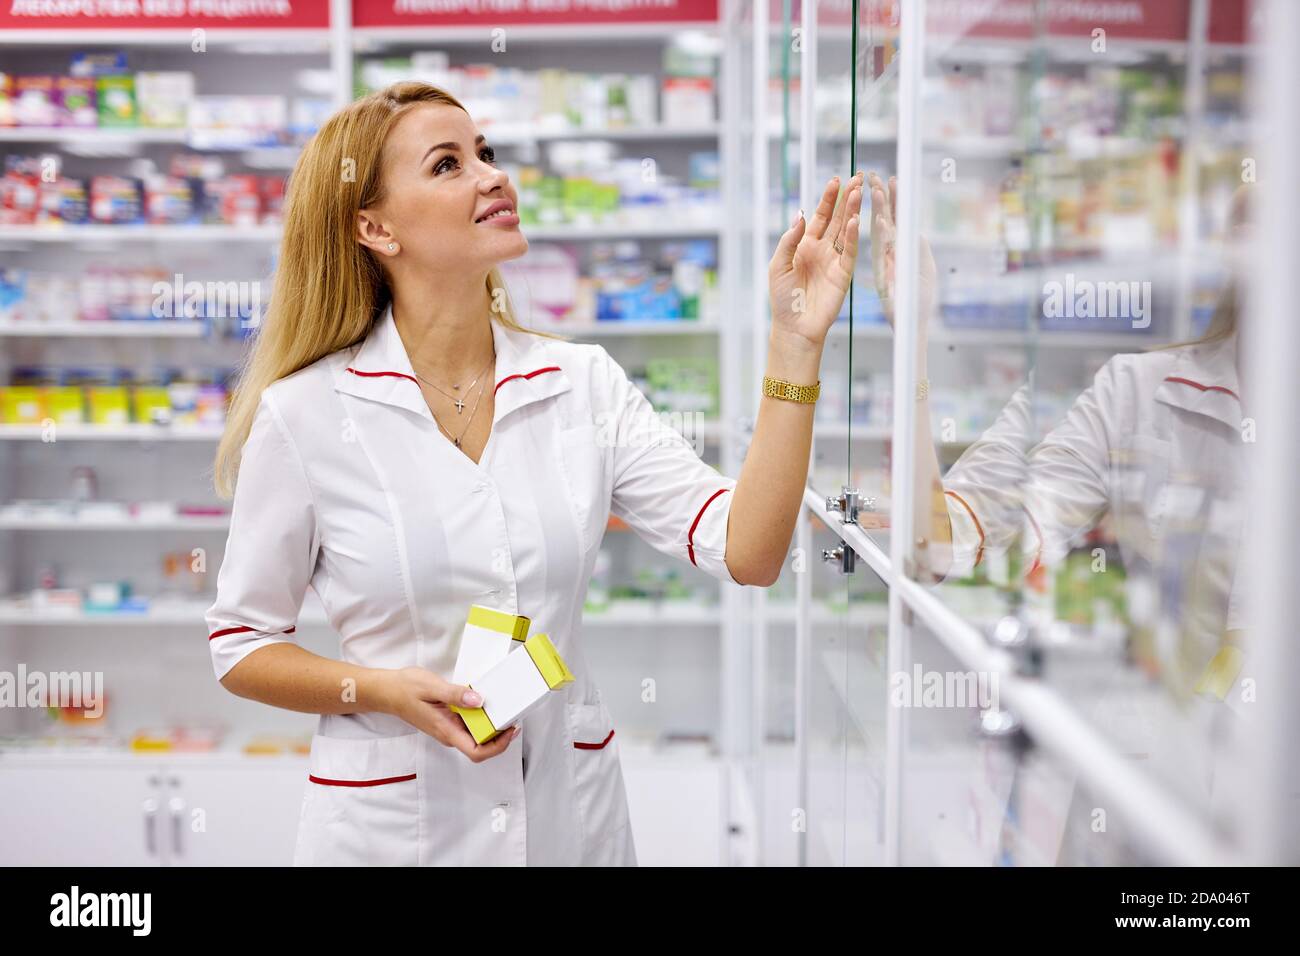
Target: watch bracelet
{"type": "Point", "coordinates": [791, 392]}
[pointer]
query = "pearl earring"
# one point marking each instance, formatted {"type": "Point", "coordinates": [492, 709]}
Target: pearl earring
{"type": "Point", "coordinates": [391, 247]}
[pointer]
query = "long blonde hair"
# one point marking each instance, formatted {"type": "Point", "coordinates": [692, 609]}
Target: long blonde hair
{"type": "Point", "coordinates": [1223, 322]}
{"type": "Point", "coordinates": [328, 289]}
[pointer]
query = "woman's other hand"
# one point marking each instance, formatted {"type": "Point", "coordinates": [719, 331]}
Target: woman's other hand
{"type": "Point", "coordinates": [884, 211]}
{"type": "Point", "coordinates": [808, 276]}
{"type": "Point", "coordinates": [422, 698]}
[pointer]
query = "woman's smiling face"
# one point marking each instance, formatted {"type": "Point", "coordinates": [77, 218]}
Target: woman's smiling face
{"type": "Point", "coordinates": [441, 179]}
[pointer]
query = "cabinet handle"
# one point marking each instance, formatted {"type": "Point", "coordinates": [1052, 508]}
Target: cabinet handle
{"type": "Point", "coordinates": [150, 808]}
{"type": "Point", "coordinates": [177, 807]}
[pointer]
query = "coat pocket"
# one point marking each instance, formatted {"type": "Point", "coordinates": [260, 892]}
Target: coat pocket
{"type": "Point", "coordinates": [583, 459]}
{"type": "Point", "coordinates": [362, 805]}
{"type": "Point", "coordinates": [598, 784]}
{"type": "Point", "coordinates": [1140, 493]}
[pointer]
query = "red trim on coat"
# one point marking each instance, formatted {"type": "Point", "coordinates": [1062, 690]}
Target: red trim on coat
{"type": "Point", "coordinates": [549, 368]}
{"type": "Point", "coordinates": [355, 371]}
{"type": "Point", "coordinates": [690, 535]}
{"type": "Point", "coordinates": [324, 781]}
{"type": "Point", "coordinates": [600, 746]}
{"type": "Point", "coordinates": [979, 555]}
{"type": "Point", "coordinates": [1203, 388]}
{"type": "Point", "coordinates": [237, 630]}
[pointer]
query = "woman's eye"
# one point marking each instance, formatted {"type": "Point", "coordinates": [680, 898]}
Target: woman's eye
{"type": "Point", "coordinates": [487, 154]}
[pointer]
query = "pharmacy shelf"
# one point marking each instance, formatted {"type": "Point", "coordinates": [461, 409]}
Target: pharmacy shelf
{"type": "Point", "coordinates": [1009, 338]}
{"type": "Point", "coordinates": [193, 329]}
{"type": "Point", "coordinates": [503, 135]}
{"type": "Point", "coordinates": [709, 431]}
{"type": "Point", "coordinates": [836, 431]}
{"type": "Point", "coordinates": [625, 613]}
{"type": "Point", "coordinates": [140, 233]}
{"type": "Point", "coordinates": [160, 329]}
{"type": "Point", "coordinates": [634, 751]}
{"type": "Point", "coordinates": [129, 432]}
{"type": "Point", "coordinates": [179, 523]}
{"type": "Point", "coordinates": [110, 142]}
{"type": "Point", "coordinates": [859, 614]}
{"type": "Point", "coordinates": [255, 41]}
{"type": "Point", "coordinates": [1002, 338]}
{"type": "Point", "coordinates": [619, 614]}
{"type": "Point", "coordinates": [36, 754]}
{"type": "Point", "coordinates": [271, 233]}
{"type": "Point", "coordinates": [669, 230]}
{"type": "Point", "coordinates": [91, 135]}
{"type": "Point", "coordinates": [964, 147]}
{"type": "Point", "coordinates": [71, 522]}
{"type": "Point", "coordinates": [996, 147]}
{"type": "Point", "coordinates": [619, 329]}
{"type": "Point", "coordinates": [169, 614]}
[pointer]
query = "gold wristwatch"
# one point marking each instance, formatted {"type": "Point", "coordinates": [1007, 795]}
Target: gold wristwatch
{"type": "Point", "coordinates": [778, 388]}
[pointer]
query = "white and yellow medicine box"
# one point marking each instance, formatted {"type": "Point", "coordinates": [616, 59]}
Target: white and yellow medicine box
{"type": "Point", "coordinates": [514, 686]}
{"type": "Point", "coordinates": [488, 637]}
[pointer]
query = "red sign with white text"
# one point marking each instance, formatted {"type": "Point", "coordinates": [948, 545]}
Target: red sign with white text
{"type": "Point", "coordinates": [1160, 20]}
{"type": "Point", "coordinates": [163, 14]}
{"type": "Point", "coordinates": [1228, 21]}
{"type": "Point", "coordinates": [491, 13]}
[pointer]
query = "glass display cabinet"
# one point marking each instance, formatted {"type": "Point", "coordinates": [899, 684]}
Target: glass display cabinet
{"type": "Point", "coordinates": [1021, 633]}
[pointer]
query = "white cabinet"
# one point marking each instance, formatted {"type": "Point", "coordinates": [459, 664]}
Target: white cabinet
{"type": "Point", "coordinates": [244, 815]}
{"type": "Point", "coordinates": [179, 810]}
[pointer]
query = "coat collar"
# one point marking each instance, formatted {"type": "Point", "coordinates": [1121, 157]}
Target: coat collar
{"type": "Point", "coordinates": [1204, 381]}
{"type": "Point", "coordinates": [381, 370]}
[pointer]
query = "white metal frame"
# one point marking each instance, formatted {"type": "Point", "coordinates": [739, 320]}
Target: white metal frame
{"type": "Point", "coordinates": [911, 71]}
{"type": "Point", "coordinates": [809, 195]}
{"type": "Point", "coordinates": [1272, 834]}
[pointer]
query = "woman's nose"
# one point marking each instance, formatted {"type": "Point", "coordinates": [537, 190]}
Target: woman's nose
{"type": "Point", "coordinates": [494, 179]}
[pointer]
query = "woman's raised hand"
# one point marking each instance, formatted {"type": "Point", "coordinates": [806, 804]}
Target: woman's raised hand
{"type": "Point", "coordinates": [883, 235]}
{"type": "Point", "coordinates": [812, 267]}
{"type": "Point", "coordinates": [421, 698]}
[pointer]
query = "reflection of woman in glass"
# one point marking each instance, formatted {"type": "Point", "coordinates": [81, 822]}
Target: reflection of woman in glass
{"type": "Point", "coordinates": [1153, 447]}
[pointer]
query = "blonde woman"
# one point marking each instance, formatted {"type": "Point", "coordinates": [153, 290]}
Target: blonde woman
{"type": "Point", "coordinates": [404, 447]}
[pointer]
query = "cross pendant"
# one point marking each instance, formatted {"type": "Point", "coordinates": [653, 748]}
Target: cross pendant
{"type": "Point", "coordinates": [460, 405]}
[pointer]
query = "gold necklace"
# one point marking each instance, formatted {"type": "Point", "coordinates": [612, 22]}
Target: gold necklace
{"type": "Point", "coordinates": [468, 421]}
{"type": "Point", "coordinates": [460, 404]}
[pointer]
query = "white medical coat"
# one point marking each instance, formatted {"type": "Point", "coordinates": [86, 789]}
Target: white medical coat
{"type": "Point", "coordinates": [347, 486]}
{"type": "Point", "coordinates": [1158, 445]}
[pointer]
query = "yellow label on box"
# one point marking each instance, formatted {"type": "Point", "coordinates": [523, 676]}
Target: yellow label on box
{"type": "Point", "coordinates": [65, 404]}
{"type": "Point", "coordinates": [516, 625]}
{"type": "Point", "coordinates": [548, 660]}
{"type": "Point", "coordinates": [147, 399]}
{"type": "Point", "coordinates": [109, 405]}
{"type": "Point", "coordinates": [1221, 673]}
{"type": "Point", "coordinates": [21, 405]}
{"type": "Point", "coordinates": [476, 719]}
